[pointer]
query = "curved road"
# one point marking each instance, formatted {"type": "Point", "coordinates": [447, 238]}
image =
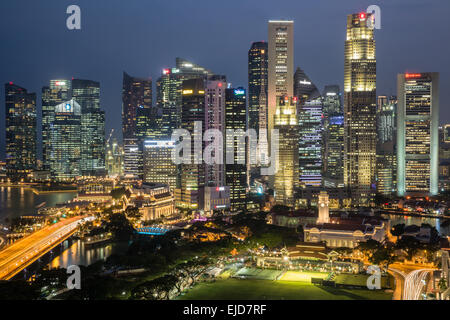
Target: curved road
{"type": "Point", "coordinates": [415, 282]}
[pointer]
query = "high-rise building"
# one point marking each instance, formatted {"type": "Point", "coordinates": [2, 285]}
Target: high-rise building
{"type": "Point", "coordinates": [333, 138]}
{"type": "Point", "coordinates": [65, 141]}
{"type": "Point", "coordinates": [132, 158]}
{"type": "Point", "coordinates": [236, 172]}
{"type": "Point", "coordinates": [136, 93]}
{"type": "Point", "coordinates": [148, 123]}
{"type": "Point", "coordinates": [193, 119]}
{"type": "Point", "coordinates": [215, 120]}
{"type": "Point", "coordinates": [287, 173]}
{"type": "Point", "coordinates": [280, 74]}
{"type": "Point", "coordinates": [114, 158]}
{"type": "Point", "coordinates": [56, 93]}
{"type": "Point", "coordinates": [360, 136]}
{"type": "Point", "coordinates": [310, 128]}
{"type": "Point", "coordinates": [20, 115]}
{"type": "Point", "coordinates": [159, 166]}
{"type": "Point", "coordinates": [304, 88]}
{"type": "Point", "coordinates": [87, 94]}
{"type": "Point", "coordinates": [386, 156]}
{"type": "Point", "coordinates": [257, 85]}
{"type": "Point", "coordinates": [417, 133]}
{"type": "Point", "coordinates": [169, 92]}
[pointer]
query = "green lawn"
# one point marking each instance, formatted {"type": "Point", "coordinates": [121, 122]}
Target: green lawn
{"type": "Point", "coordinates": [361, 280]}
{"type": "Point", "coordinates": [237, 289]}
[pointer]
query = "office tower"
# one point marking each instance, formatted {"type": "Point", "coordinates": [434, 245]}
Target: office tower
{"type": "Point", "coordinates": [332, 103]}
{"type": "Point", "coordinates": [136, 93]}
{"type": "Point", "coordinates": [417, 133]}
{"type": "Point", "coordinates": [333, 137]}
{"type": "Point", "coordinates": [87, 94]}
{"type": "Point", "coordinates": [360, 134]}
{"type": "Point", "coordinates": [193, 119]}
{"type": "Point", "coordinates": [114, 158]}
{"type": "Point", "coordinates": [257, 85]}
{"type": "Point", "coordinates": [148, 123]}
{"type": "Point", "coordinates": [65, 141]}
{"type": "Point", "coordinates": [304, 88]}
{"type": "Point", "coordinates": [310, 129]}
{"type": "Point", "coordinates": [215, 120]}
{"type": "Point", "coordinates": [236, 172]}
{"type": "Point", "coordinates": [56, 93]}
{"type": "Point", "coordinates": [444, 158]}
{"type": "Point", "coordinates": [169, 95]}
{"type": "Point", "coordinates": [132, 159]}
{"type": "Point", "coordinates": [159, 166]}
{"type": "Point", "coordinates": [286, 176]}
{"type": "Point", "coordinates": [386, 155]}
{"type": "Point", "coordinates": [280, 66]}
{"type": "Point", "coordinates": [20, 116]}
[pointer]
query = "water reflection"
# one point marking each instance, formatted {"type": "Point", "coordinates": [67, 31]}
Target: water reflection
{"type": "Point", "coordinates": [77, 253]}
{"type": "Point", "coordinates": [396, 219]}
{"type": "Point", "coordinates": [15, 202]}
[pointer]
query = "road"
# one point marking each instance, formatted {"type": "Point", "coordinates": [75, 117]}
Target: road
{"type": "Point", "coordinates": [25, 251]}
{"type": "Point", "coordinates": [409, 280]}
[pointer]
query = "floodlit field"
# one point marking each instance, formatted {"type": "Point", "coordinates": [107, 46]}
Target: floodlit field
{"type": "Point", "coordinates": [261, 274]}
{"type": "Point", "coordinates": [302, 276]}
{"type": "Point", "coordinates": [237, 289]}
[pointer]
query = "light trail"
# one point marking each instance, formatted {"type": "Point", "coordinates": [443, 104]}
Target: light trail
{"type": "Point", "coordinates": [22, 253]}
{"type": "Point", "coordinates": [415, 282]}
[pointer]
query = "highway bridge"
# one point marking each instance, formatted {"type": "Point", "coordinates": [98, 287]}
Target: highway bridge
{"type": "Point", "coordinates": [25, 251]}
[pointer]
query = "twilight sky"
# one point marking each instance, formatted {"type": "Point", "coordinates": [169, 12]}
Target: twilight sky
{"type": "Point", "coordinates": [144, 36]}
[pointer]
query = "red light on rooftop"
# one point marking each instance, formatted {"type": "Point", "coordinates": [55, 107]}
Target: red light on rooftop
{"type": "Point", "coordinates": [166, 71]}
{"type": "Point", "coordinates": [362, 15]}
{"type": "Point", "coordinates": [220, 84]}
{"type": "Point", "coordinates": [11, 83]}
{"type": "Point", "coordinates": [412, 75]}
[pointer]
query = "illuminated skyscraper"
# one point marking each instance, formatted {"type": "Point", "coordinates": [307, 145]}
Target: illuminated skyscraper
{"type": "Point", "coordinates": [280, 66]}
{"type": "Point", "coordinates": [418, 133]}
{"type": "Point", "coordinates": [333, 137]}
{"type": "Point", "coordinates": [257, 84]}
{"type": "Point", "coordinates": [65, 141]}
{"type": "Point", "coordinates": [132, 158]}
{"type": "Point", "coordinates": [193, 115]}
{"type": "Point", "coordinates": [386, 155]}
{"type": "Point", "coordinates": [215, 120]}
{"type": "Point", "coordinates": [158, 164]}
{"type": "Point", "coordinates": [304, 88]}
{"type": "Point", "coordinates": [87, 94]}
{"type": "Point", "coordinates": [114, 158]}
{"type": "Point", "coordinates": [236, 173]}
{"type": "Point", "coordinates": [58, 92]}
{"type": "Point", "coordinates": [20, 115]}
{"type": "Point", "coordinates": [286, 176]}
{"type": "Point", "coordinates": [168, 91]}
{"type": "Point", "coordinates": [136, 93]}
{"type": "Point", "coordinates": [310, 128]}
{"type": "Point", "coordinates": [360, 136]}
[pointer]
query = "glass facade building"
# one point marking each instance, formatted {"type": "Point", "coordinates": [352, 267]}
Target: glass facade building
{"type": "Point", "coordinates": [20, 116]}
{"type": "Point", "coordinates": [287, 169]}
{"type": "Point", "coordinates": [418, 133]}
{"type": "Point", "coordinates": [236, 172]}
{"type": "Point", "coordinates": [158, 164]}
{"type": "Point", "coordinates": [360, 135]}
{"type": "Point", "coordinates": [56, 93]}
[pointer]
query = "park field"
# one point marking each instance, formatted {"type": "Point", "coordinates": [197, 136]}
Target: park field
{"type": "Point", "coordinates": [249, 289]}
{"type": "Point", "coordinates": [302, 276]}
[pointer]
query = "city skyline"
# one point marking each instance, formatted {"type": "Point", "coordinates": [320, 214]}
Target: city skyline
{"type": "Point", "coordinates": [230, 61]}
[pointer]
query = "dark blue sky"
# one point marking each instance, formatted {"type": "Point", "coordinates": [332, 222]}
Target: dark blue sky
{"type": "Point", "coordinates": [144, 36]}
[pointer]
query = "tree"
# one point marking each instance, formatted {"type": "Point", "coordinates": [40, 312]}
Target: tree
{"type": "Point", "coordinates": [156, 289]}
{"type": "Point", "coordinates": [408, 244]}
{"type": "Point", "coordinates": [383, 257]}
{"type": "Point", "coordinates": [398, 230]}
